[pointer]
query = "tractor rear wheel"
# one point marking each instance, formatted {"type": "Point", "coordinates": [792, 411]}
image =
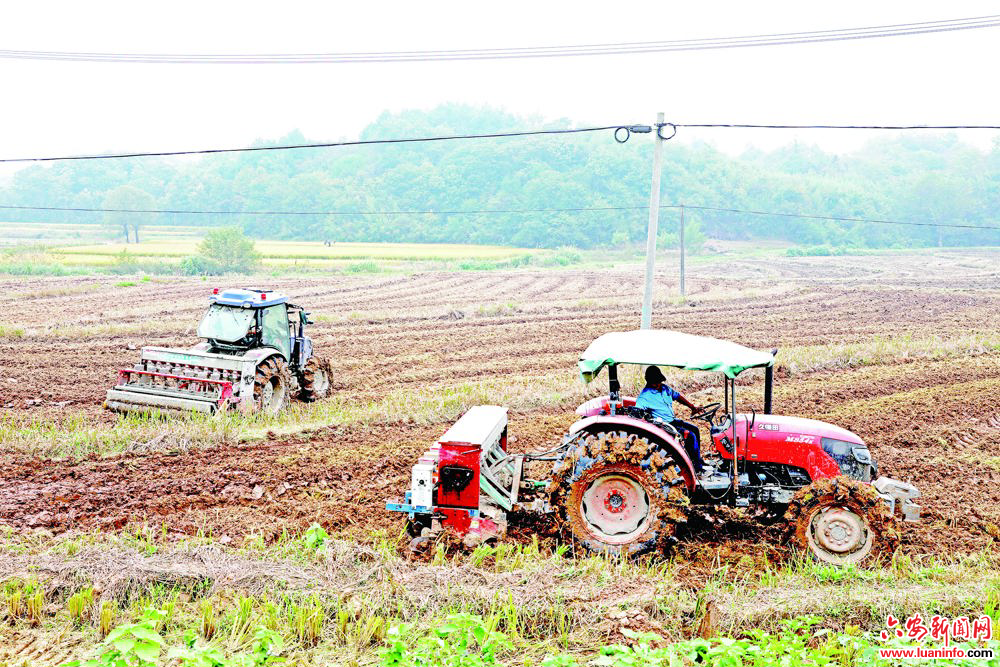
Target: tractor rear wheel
{"type": "Point", "coordinates": [315, 379]}
{"type": "Point", "coordinates": [272, 386]}
{"type": "Point", "coordinates": [842, 521]}
{"type": "Point", "coordinates": [618, 494]}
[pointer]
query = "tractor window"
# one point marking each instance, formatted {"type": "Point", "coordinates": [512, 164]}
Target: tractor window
{"type": "Point", "coordinates": [225, 323]}
{"type": "Point", "coordinates": [275, 324]}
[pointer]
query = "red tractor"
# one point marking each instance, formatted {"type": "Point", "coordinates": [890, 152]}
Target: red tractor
{"type": "Point", "coordinates": [622, 482]}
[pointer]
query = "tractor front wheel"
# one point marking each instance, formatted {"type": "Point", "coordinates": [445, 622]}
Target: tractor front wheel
{"type": "Point", "coordinates": [272, 386]}
{"type": "Point", "coordinates": [618, 494]}
{"type": "Point", "coordinates": [842, 521]}
{"type": "Point", "coordinates": [315, 379]}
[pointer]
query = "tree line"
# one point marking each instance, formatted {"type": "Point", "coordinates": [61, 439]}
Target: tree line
{"type": "Point", "coordinates": [931, 178]}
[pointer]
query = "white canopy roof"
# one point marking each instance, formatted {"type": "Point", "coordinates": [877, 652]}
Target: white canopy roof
{"type": "Point", "coordinates": [670, 348]}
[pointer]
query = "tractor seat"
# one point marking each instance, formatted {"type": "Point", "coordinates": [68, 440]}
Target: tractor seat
{"type": "Point", "coordinates": [646, 414]}
{"type": "Point", "coordinates": [639, 413]}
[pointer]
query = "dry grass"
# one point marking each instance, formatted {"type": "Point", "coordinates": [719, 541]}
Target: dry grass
{"type": "Point", "coordinates": [886, 350]}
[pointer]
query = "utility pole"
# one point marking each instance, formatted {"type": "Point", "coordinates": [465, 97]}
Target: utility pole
{"type": "Point", "coordinates": [681, 239]}
{"type": "Point", "coordinates": [654, 212]}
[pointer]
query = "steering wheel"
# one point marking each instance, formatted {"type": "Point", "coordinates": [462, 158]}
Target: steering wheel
{"type": "Point", "coordinates": [708, 412]}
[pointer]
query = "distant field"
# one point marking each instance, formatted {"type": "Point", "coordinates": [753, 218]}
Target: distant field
{"type": "Point", "coordinates": [55, 233]}
{"type": "Point", "coordinates": [86, 244]}
{"type": "Point", "coordinates": [301, 250]}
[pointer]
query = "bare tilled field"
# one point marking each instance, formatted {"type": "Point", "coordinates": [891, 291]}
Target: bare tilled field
{"type": "Point", "coordinates": [902, 349]}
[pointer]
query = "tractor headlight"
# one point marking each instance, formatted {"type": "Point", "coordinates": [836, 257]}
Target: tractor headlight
{"type": "Point", "coordinates": [854, 460]}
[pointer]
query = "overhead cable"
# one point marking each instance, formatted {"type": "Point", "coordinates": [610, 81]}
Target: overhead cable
{"type": "Point", "coordinates": [752, 126]}
{"type": "Point", "coordinates": [332, 144]}
{"type": "Point", "coordinates": [616, 48]}
{"type": "Point", "coordinates": [580, 209]}
{"type": "Point", "coordinates": [622, 134]}
{"type": "Point", "coordinates": [223, 212]}
{"type": "Point", "coordinates": [834, 218]}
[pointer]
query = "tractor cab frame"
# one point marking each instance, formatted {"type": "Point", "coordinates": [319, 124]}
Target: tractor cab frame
{"type": "Point", "coordinates": [238, 320]}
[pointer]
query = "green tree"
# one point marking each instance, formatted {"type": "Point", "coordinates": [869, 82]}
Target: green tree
{"type": "Point", "coordinates": [224, 250]}
{"type": "Point", "coordinates": [129, 198]}
{"type": "Point", "coordinates": [910, 177]}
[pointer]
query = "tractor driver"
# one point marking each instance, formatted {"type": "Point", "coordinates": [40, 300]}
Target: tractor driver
{"type": "Point", "coordinates": [659, 399]}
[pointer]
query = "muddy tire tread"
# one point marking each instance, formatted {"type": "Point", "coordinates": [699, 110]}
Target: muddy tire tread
{"type": "Point", "coordinates": [266, 370]}
{"type": "Point", "coordinates": [624, 452]}
{"type": "Point", "coordinates": [307, 389]}
{"type": "Point", "coordinates": [860, 497]}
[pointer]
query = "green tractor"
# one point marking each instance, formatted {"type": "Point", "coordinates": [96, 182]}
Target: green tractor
{"type": "Point", "coordinates": [254, 356]}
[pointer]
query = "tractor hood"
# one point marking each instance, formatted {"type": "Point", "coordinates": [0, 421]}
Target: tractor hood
{"type": "Point", "coordinates": [670, 348]}
{"type": "Point", "coordinates": [799, 429]}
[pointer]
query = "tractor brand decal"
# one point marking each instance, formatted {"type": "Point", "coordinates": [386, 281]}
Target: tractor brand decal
{"type": "Point", "coordinates": [768, 427]}
{"type": "Point", "coordinates": [808, 439]}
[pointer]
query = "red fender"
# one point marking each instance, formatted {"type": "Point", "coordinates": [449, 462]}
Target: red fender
{"type": "Point", "coordinates": [641, 427]}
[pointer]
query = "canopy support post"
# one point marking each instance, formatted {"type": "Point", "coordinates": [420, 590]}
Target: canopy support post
{"type": "Point", "coordinates": [768, 383]}
{"type": "Point", "coordinates": [614, 387]}
{"type": "Point", "coordinates": [736, 447]}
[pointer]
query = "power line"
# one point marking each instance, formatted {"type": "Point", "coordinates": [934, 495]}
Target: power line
{"type": "Point", "coordinates": [834, 127]}
{"type": "Point", "coordinates": [495, 135]}
{"type": "Point", "coordinates": [835, 218]}
{"type": "Point", "coordinates": [579, 209]}
{"type": "Point", "coordinates": [223, 212]}
{"type": "Point", "coordinates": [618, 48]}
{"type": "Point", "coordinates": [361, 142]}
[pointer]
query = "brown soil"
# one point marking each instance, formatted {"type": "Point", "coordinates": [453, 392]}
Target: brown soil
{"type": "Point", "coordinates": [935, 423]}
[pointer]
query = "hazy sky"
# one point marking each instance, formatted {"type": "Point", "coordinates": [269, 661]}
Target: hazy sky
{"type": "Point", "coordinates": [55, 108]}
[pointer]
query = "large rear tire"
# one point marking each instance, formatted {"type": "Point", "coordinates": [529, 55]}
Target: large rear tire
{"type": "Point", "coordinates": [272, 386]}
{"type": "Point", "coordinates": [315, 379]}
{"type": "Point", "coordinates": [842, 521]}
{"type": "Point", "coordinates": [618, 494]}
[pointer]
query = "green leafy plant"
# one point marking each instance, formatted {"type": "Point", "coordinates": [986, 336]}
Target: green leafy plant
{"type": "Point", "coordinates": [642, 652]}
{"type": "Point", "coordinates": [189, 656]}
{"type": "Point", "coordinates": [130, 645]}
{"type": "Point", "coordinates": [266, 648]}
{"type": "Point", "coordinates": [315, 537]}
{"type": "Point", "coordinates": [464, 640]}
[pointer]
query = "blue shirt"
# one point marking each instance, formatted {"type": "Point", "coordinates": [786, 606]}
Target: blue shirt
{"type": "Point", "coordinates": [660, 402]}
